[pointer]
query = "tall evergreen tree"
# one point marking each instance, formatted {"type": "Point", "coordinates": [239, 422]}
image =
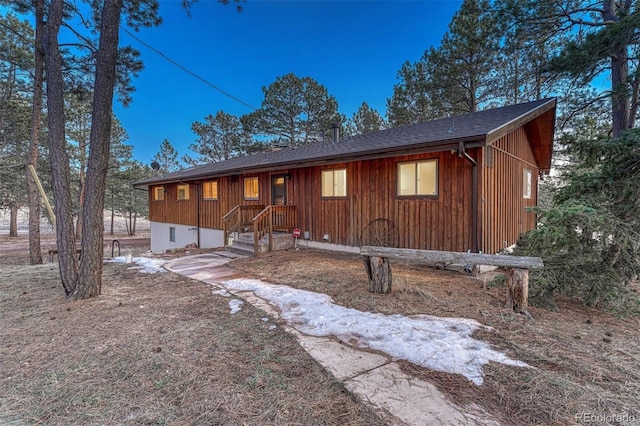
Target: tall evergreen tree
{"type": "Point", "coordinates": [525, 50]}
{"type": "Point", "coordinates": [82, 280]}
{"type": "Point", "coordinates": [414, 99]}
{"type": "Point", "coordinates": [458, 76]}
{"type": "Point", "coordinates": [294, 111]}
{"type": "Point", "coordinates": [16, 61]}
{"type": "Point", "coordinates": [167, 158]}
{"type": "Point", "coordinates": [220, 137]}
{"type": "Point", "coordinates": [467, 58]}
{"type": "Point", "coordinates": [365, 120]}
{"type": "Point", "coordinates": [603, 41]}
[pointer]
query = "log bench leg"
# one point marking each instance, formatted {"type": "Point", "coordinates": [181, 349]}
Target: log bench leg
{"type": "Point", "coordinates": [518, 290]}
{"type": "Point", "coordinates": [379, 273]}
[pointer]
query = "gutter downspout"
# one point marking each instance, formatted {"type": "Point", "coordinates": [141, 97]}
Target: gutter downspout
{"type": "Point", "coordinates": [462, 152]}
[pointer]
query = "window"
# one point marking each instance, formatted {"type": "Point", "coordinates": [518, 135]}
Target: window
{"type": "Point", "coordinates": [210, 190]}
{"type": "Point", "coordinates": [251, 188]}
{"type": "Point", "coordinates": [334, 183]}
{"type": "Point", "coordinates": [158, 193]}
{"type": "Point", "coordinates": [527, 184]}
{"type": "Point", "coordinates": [183, 192]}
{"type": "Point", "coordinates": [172, 234]}
{"type": "Point", "coordinates": [418, 178]}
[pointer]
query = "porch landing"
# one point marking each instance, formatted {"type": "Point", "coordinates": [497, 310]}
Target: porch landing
{"type": "Point", "coordinates": [243, 243]}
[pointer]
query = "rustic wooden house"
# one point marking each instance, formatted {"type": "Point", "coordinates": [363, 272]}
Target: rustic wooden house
{"type": "Point", "coordinates": [456, 184]}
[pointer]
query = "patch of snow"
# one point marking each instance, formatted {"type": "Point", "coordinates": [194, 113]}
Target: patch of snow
{"type": "Point", "coordinates": [223, 293]}
{"type": "Point", "coordinates": [443, 344]}
{"type": "Point", "coordinates": [235, 305]}
{"type": "Point", "coordinates": [146, 265]}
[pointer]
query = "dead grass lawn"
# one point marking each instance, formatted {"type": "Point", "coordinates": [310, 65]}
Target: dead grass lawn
{"type": "Point", "coordinates": [152, 350]}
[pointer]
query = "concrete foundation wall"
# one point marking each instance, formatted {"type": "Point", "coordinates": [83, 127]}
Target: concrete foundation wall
{"type": "Point", "coordinates": [184, 235]}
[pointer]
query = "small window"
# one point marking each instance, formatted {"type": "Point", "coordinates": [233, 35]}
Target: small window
{"type": "Point", "coordinates": [183, 192]}
{"type": "Point", "coordinates": [418, 178]}
{"type": "Point", "coordinates": [251, 188]}
{"type": "Point", "coordinates": [172, 234]}
{"type": "Point", "coordinates": [527, 184]}
{"type": "Point", "coordinates": [334, 183]}
{"type": "Point", "coordinates": [158, 193]}
{"type": "Point", "coordinates": [210, 190]}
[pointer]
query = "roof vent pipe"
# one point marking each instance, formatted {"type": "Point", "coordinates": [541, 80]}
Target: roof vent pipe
{"type": "Point", "coordinates": [335, 131]}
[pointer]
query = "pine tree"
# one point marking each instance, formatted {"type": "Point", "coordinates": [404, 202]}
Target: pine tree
{"type": "Point", "coordinates": [220, 137]}
{"type": "Point", "coordinates": [294, 111]}
{"type": "Point", "coordinates": [167, 158]}
{"type": "Point", "coordinates": [365, 120]}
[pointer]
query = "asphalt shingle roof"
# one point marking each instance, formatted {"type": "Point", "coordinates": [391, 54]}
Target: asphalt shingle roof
{"type": "Point", "coordinates": [477, 126]}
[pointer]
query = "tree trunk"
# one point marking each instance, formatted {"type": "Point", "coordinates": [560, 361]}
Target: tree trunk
{"type": "Point", "coordinates": [35, 252]}
{"type": "Point", "coordinates": [620, 94]}
{"type": "Point", "coordinates": [13, 221]}
{"type": "Point", "coordinates": [80, 204]}
{"type": "Point", "coordinates": [379, 273]}
{"type": "Point", "coordinates": [518, 290]}
{"type": "Point", "coordinates": [91, 262]}
{"type": "Point", "coordinates": [67, 260]}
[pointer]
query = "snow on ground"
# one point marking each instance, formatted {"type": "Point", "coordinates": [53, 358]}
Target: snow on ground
{"type": "Point", "coordinates": [146, 265]}
{"type": "Point", "coordinates": [443, 344]}
{"type": "Point", "coordinates": [235, 305]}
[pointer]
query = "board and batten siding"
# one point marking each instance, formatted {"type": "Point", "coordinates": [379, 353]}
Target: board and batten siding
{"type": "Point", "coordinates": [184, 212]}
{"type": "Point", "coordinates": [433, 223]}
{"type": "Point", "coordinates": [504, 207]}
{"type": "Point", "coordinates": [442, 222]}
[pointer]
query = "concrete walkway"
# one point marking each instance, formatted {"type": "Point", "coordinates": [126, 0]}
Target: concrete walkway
{"type": "Point", "coordinates": [373, 377]}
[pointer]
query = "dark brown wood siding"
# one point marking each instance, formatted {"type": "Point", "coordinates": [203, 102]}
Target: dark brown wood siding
{"type": "Point", "coordinates": [442, 222]}
{"type": "Point", "coordinates": [437, 223]}
{"type": "Point", "coordinates": [172, 210]}
{"type": "Point", "coordinates": [504, 207]}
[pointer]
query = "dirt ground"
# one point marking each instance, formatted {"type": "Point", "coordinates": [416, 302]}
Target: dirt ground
{"type": "Point", "coordinates": [161, 349]}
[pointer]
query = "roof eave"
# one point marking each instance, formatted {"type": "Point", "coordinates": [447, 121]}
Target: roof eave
{"type": "Point", "coordinates": [418, 148]}
{"type": "Point", "coordinates": [513, 124]}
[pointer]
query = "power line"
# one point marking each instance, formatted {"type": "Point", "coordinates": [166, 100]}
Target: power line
{"type": "Point", "coordinates": [188, 71]}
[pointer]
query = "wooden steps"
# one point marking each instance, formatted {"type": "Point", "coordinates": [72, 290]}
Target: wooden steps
{"type": "Point", "coordinates": [243, 243]}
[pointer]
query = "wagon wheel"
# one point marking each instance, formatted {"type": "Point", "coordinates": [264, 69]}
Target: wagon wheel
{"type": "Point", "coordinates": [380, 232]}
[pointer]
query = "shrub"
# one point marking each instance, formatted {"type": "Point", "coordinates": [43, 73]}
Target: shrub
{"type": "Point", "coordinates": [590, 238]}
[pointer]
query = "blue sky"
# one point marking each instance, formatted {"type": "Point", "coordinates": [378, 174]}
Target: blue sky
{"type": "Point", "coordinates": [353, 48]}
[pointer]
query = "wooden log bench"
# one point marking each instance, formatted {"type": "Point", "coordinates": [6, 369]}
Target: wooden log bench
{"type": "Point", "coordinates": [53, 252]}
{"type": "Point", "coordinates": [379, 270]}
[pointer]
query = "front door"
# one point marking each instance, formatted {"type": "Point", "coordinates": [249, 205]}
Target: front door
{"type": "Point", "coordinates": [279, 190]}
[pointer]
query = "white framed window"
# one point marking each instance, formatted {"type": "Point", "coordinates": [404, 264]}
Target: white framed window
{"type": "Point", "coordinates": [418, 178]}
{"type": "Point", "coordinates": [334, 183]}
{"type": "Point", "coordinates": [210, 190]}
{"type": "Point", "coordinates": [158, 193]}
{"type": "Point", "coordinates": [172, 234]}
{"type": "Point", "coordinates": [183, 192]}
{"type": "Point", "coordinates": [251, 189]}
{"type": "Point", "coordinates": [527, 183]}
